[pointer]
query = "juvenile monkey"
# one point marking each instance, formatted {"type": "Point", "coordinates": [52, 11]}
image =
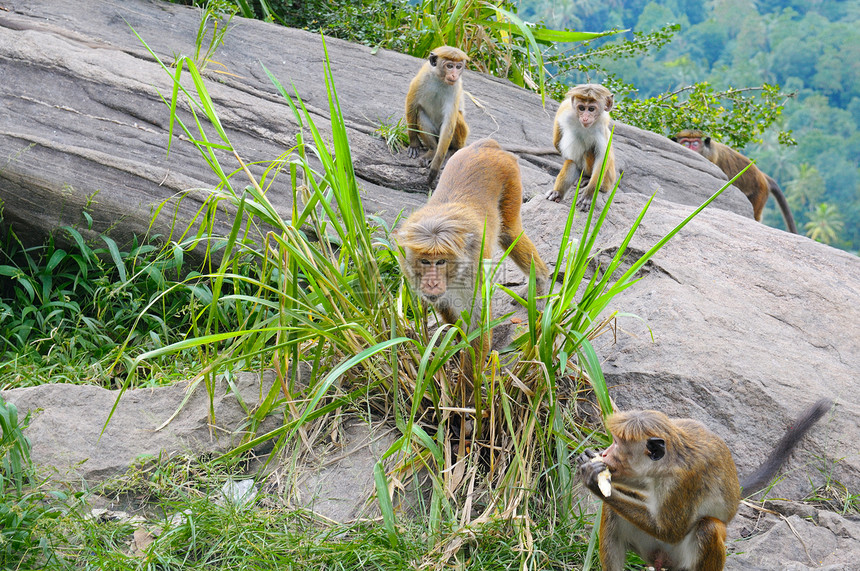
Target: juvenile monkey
{"type": "Point", "coordinates": [581, 135]}
{"type": "Point", "coordinates": [674, 488]}
{"type": "Point", "coordinates": [434, 108]}
{"type": "Point", "coordinates": [753, 183]}
{"type": "Point", "coordinates": [478, 198]}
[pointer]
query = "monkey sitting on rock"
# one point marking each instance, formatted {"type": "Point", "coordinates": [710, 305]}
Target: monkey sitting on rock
{"type": "Point", "coordinates": [581, 134]}
{"type": "Point", "coordinates": [434, 109]}
{"type": "Point", "coordinates": [669, 488]}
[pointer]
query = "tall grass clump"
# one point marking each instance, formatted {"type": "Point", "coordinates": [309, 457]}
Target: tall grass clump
{"type": "Point", "coordinates": [327, 293]}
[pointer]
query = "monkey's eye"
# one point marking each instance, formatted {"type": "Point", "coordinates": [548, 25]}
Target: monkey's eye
{"type": "Point", "coordinates": [425, 262]}
{"type": "Point", "coordinates": [581, 107]}
{"type": "Point", "coordinates": [441, 262]}
{"type": "Point", "coordinates": [656, 448]}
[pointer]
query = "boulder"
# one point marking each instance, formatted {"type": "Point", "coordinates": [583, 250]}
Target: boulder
{"type": "Point", "coordinates": [750, 325]}
{"type": "Point", "coordinates": [85, 128]}
{"type": "Point", "coordinates": [70, 434]}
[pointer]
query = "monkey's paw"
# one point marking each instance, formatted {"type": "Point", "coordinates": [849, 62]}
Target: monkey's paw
{"type": "Point", "coordinates": [595, 474]}
{"type": "Point", "coordinates": [413, 152]}
{"type": "Point", "coordinates": [584, 203]}
{"type": "Point", "coordinates": [554, 196]}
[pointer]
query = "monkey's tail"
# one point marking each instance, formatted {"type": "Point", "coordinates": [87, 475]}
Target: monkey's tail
{"type": "Point", "coordinates": [783, 204]}
{"type": "Point", "coordinates": [537, 151]}
{"type": "Point", "coordinates": [765, 473]}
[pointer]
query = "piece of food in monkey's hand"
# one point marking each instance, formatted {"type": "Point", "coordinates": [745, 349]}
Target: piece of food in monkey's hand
{"type": "Point", "coordinates": [604, 479]}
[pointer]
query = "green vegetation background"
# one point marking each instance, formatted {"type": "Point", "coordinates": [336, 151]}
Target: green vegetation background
{"type": "Point", "coordinates": [811, 48]}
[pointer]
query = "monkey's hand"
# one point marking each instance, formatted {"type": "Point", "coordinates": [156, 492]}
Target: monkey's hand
{"type": "Point", "coordinates": [413, 151]}
{"type": "Point", "coordinates": [555, 196]}
{"type": "Point", "coordinates": [594, 473]}
{"type": "Point", "coordinates": [584, 201]}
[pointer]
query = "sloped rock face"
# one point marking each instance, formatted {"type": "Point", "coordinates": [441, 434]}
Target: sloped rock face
{"type": "Point", "coordinates": [84, 121]}
{"type": "Point", "coordinates": [749, 324]}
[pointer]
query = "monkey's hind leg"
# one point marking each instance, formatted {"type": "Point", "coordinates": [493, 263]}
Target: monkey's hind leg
{"type": "Point", "coordinates": [711, 541]}
{"type": "Point", "coordinates": [429, 136]}
{"type": "Point", "coordinates": [461, 132]}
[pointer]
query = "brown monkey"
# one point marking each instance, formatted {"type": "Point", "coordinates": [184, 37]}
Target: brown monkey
{"type": "Point", "coordinates": [434, 108]}
{"type": "Point", "coordinates": [581, 135]}
{"type": "Point", "coordinates": [478, 198]}
{"type": "Point", "coordinates": [674, 488]}
{"type": "Point", "coordinates": [753, 183]}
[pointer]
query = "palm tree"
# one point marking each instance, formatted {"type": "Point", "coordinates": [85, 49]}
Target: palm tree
{"type": "Point", "coordinates": [825, 224]}
{"type": "Point", "coordinates": [806, 189]}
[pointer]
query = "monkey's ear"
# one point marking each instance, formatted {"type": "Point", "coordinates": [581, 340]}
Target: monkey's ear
{"type": "Point", "coordinates": [673, 139]}
{"type": "Point", "coordinates": [656, 448]}
{"type": "Point", "coordinates": [707, 141]}
{"type": "Point", "coordinates": [609, 103]}
{"type": "Point", "coordinates": [432, 59]}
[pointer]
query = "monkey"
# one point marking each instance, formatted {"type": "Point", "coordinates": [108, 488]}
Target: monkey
{"type": "Point", "coordinates": [434, 108]}
{"type": "Point", "coordinates": [478, 198]}
{"type": "Point", "coordinates": [674, 488]}
{"type": "Point", "coordinates": [581, 135]}
{"type": "Point", "coordinates": [753, 183]}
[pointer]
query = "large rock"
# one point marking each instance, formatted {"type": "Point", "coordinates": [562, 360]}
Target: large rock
{"type": "Point", "coordinates": [69, 431]}
{"type": "Point", "coordinates": [72, 442]}
{"type": "Point", "coordinates": [84, 127]}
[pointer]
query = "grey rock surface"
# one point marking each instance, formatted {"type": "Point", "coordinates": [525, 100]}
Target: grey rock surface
{"type": "Point", "coordinates": [84, 124]}
{"type": "Point", "coordinates": [797, 537]}
{"type": "Point", "coordinates": [750, 325]}
{"type": "Point", "coordinates": [68, 431]}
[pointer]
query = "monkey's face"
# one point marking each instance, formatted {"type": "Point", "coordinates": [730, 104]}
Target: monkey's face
{"type": "Point", "coordinates": [587, 112]}
{"type": "Point", "coordinates": [692, 143]}
{"type": "Point", "coordinates": [431, 277]}
{"type": "Point", "coordinates": [450, 71]}
{"type": "Point", "coordinates": [634, 458]}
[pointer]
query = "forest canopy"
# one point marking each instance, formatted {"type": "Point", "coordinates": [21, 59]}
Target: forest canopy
{"type": "Point", "coordinates": [811, 49]}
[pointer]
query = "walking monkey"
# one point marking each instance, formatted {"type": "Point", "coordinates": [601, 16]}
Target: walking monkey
{"type": "Point", "coordinates": [478, 199]}
{"type": "Point", "coordinates": [753, 183]}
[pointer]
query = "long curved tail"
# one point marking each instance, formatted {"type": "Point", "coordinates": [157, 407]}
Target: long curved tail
{"type": "Point", "coordinates": [765, 473]}
{"type": "Point", "coordinates": [783, 204]}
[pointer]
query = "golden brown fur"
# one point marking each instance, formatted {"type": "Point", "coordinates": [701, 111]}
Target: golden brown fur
{"type": "Point", "coordinates": [479, 197]}
{"type": "Point", "coordinates": [674, 488]}
{"type": "Point", "coordinates": [756, 185]}
{"type": "Point", "coordinates": [434, 108]}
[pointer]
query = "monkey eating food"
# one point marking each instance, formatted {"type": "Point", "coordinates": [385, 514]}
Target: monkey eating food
{"type": "Point", "coordinates": [434, 108]}
{"type": "Point", "coordinates": [581, 134]}
{"type": "Point", "coordinates": [753, 183]}
{"type": "Point", "coordinates": [674, 488]}
{"type": "Point", "coordinates": [478, 199]}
